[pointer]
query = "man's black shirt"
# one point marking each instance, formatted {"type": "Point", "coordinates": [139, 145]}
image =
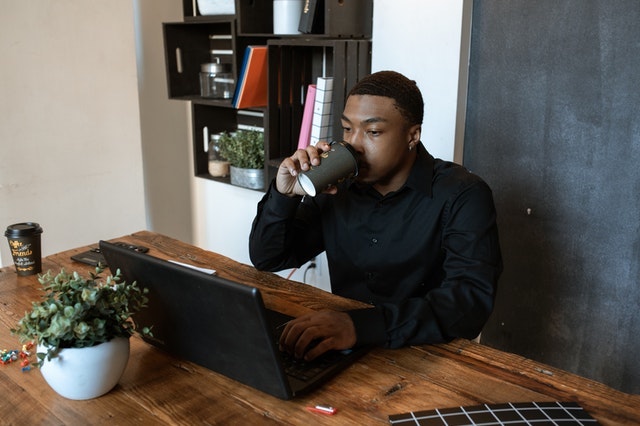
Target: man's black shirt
{"type": "Point", "coordinates": [427, 256]}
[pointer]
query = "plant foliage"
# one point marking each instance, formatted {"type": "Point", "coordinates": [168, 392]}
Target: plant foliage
{"type": "Point", "coordinates": [243, 148]}
{"type": "Point", "coordinates": [77, 312]}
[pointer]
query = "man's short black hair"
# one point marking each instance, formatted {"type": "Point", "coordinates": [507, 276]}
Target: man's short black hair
{"type": "Point", "coordinates": [392, 84]}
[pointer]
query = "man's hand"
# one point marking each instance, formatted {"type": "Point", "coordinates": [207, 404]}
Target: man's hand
{"type": "Point", "coordinates": [324, 331]}
{"type": "Point", "coordinates": [301, 160]}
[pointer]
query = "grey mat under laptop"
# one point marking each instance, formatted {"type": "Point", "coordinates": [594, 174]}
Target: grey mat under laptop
{"type": "Point", "coordinates": [219, 324]}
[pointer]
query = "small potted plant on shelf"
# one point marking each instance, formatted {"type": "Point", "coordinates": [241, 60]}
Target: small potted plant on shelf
{"type": "Point", "coordinates": [244, 149]}
{"type": "Point", "coordinates": [82, 327]}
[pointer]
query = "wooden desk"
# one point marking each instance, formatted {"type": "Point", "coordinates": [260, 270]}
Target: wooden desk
{"type": "Point", "coordinates": [157, 388]}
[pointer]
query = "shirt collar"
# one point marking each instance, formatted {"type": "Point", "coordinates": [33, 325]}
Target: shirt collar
{"type": "Point", "coordinates": [421, 175]}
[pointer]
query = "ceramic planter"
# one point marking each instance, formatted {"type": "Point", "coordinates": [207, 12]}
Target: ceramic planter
{"type": "Point", "coordinates": [85, 373]}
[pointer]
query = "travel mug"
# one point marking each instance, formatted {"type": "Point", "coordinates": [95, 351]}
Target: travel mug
{"type": "Point", "coordinates": [24, 242]}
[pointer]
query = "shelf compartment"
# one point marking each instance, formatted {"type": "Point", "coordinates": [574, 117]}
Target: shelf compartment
{"type": "Point", "coordinates": [188, 46]}
{"type": "Point", "coordinates": [293, 65]}
{"type": "Point", "coordinates": [348, 18]}
{"type": "Point", "coordinates": [342, 18]}
{"type": "Point", "coordinates": [254, 17]}
{"type": "Point", "coordinates": [209, 120]}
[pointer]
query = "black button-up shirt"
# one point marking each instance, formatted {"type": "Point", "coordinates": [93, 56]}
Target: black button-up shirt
{"type": "Point", "coordinates": [426, 256]}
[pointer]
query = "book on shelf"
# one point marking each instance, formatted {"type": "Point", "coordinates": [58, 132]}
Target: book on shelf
{"type": "Point", "coordinates": [307, 117]}
{"type": "Point", "coordinates": [250, 120]}
{"type": "Point", "coordinates": [251, 89]}
{"type": "Point", "coordinates": [312, 17]}
{"type": "Point", "coordinates": [322, 123]}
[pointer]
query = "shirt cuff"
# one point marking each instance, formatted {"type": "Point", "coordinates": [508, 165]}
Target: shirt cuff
{"type": "Point", "coordinates": [370, 326]}
{"type": "Point", "coordinates": [282, 205]}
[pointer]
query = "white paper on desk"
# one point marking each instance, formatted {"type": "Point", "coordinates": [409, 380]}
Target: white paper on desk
{"type": "Point", "coordinates": [197, 268]}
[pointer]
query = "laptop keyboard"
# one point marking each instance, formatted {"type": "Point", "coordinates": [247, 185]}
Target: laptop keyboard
{"type": "Point", "coordinates": [307, 370]}
{"type": "Point", "coordinates": [300, 369]}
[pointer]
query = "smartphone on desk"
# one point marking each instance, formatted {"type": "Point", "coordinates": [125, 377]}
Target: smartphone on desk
{"type": "Point", "coordinates": [94, 257]}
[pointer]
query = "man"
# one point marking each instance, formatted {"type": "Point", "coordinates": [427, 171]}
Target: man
{"type": "Point", "coordinates": [413, 236]}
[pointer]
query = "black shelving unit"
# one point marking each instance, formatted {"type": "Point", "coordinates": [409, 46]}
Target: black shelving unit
{"type": "Point", "coordinates": [342, 51]}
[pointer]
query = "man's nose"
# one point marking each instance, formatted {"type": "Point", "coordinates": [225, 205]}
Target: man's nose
{"type": "Point", "coordinates": [355, 140]}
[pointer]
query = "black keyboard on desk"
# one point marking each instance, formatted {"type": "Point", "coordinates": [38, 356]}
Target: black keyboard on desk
{"type": "Point", "coordinates": [298, 368]}
{"type": "Point", "coordinates": [307, 370]}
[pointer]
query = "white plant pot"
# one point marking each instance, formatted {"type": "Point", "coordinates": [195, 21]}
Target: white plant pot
{"type": "Point", "coordinates": [85, 373]}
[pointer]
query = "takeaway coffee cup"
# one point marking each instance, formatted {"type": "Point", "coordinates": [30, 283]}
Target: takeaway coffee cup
{"type": "Point", "coordinates": [24, 242]}
{"type": "Point", "coordinates": [337, 164]}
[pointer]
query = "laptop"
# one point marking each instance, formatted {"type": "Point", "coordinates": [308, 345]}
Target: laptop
{"type": "Point", "coordinates": [220, 324]}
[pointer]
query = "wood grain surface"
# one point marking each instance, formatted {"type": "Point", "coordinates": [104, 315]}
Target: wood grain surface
{"type": "Point", "coordinates": [160, 389]}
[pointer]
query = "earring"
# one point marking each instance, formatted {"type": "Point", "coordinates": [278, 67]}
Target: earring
{"type": "Point", "coordinates": [410, 147]}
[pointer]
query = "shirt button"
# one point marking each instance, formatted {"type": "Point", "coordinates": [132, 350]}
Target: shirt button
{"type": "Point", "coordinates": [374, 240]}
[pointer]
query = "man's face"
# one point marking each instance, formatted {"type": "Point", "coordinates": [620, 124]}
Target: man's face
{"type": "Point", "coordinates": [381, 135]}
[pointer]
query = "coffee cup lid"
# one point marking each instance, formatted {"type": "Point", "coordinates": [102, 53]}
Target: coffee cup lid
{"type": "Point", "coordinates": [22, 230]}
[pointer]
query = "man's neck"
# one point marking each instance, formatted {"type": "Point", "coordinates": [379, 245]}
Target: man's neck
{"type": "Point", "coordinates": [397, 180]}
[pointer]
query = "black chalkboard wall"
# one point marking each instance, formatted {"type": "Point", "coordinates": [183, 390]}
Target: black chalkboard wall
{"type": "Point", "coordinates": [553, 125]}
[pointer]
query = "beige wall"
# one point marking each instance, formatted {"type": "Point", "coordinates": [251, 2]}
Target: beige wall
{"type": "Point", "coordinates": [70, 151]}
{"type": "Point", "coordinates": [166, 145]}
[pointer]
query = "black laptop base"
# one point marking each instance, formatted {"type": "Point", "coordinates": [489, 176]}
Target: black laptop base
{"type": "Point", "coordinates": [214, 322]}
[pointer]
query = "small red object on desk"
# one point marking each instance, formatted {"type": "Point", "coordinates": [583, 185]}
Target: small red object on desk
{"type": "Point", "coordinates": [323, 409]}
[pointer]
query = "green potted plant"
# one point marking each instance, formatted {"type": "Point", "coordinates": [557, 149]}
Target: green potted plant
{"type": "Point", "coordinates": [82, 328]}
{"type": "Point", "coordinates": [244, 149]}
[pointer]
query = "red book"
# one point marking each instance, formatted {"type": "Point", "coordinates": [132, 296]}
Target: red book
{"type": "Point", "coordinates": [251, 90]}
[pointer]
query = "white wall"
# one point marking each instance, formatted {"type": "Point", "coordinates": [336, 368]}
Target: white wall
{"type": "Point", "coordinates": [423, 40]}
{"type": "Point", "coordinates": [70, 154]}
{"type": "Point", "coordinates": [223, 216]}
{"type": "Point", "coordinates": [420, 38]}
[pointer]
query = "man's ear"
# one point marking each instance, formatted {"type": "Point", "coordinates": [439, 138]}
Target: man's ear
{"type": "Point", "coordinates": [414, 133]}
